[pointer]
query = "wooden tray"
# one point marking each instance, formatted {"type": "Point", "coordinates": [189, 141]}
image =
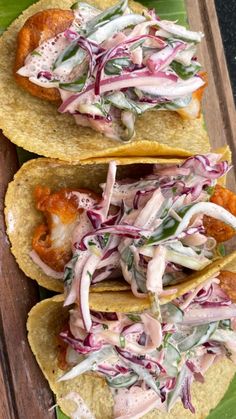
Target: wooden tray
{"type": "Point", "coordinates": [24, 391]}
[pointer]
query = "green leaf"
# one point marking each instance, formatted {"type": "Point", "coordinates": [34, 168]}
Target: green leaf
{"type": "Point", "coordinates": [227, 406]}
{"type": "Point", "coordinates": [60, 414]}
{"type": "Point", "coordinates": [168, 9]}
{"type": "Point", "coordinates": [10, 9]}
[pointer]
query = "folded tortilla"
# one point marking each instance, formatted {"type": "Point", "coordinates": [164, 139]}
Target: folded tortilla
{"type": "Point", "coordinates": [37, 126]}
{"type": "Point", "coordinates": [22, 217]}
{"type": "Point", "coordinates": [45, 322]}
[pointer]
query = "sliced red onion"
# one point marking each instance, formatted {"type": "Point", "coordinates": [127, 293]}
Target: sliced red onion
{"type": "Point", "coordinates": [186, 395]}
{"type": "Point", "coordinates": [112, 371]}
{"type": "Point", "coordinates": [161, 59]}
{"type": "Point", "coordinates": [138, 196]}
{"type": "Point", "coordinates": [104, 118]}
{"type": "Point", "coordinates": [95, 218]}
{"type": "Point", "coordinates": [122, 230]}
{"type": "Point", "coordinates": [144, 361]}
{"type": "Point", "coordinates": [80, 346]}
{"type": "Point", "coordinates": [115, 52]}
{"type": "Point", "coordinates": [135, 79]}
{"type": "Point", "coordinates": [109, 252]}
{"type": "Point", "coordinates": [217, 298]}
{"type": "Point", "coordinates": [90, 48]}
{"type": "Point", "coordinates": [70, 34]}
{"type": "Point", "coordinates": [203, 295]}
{"type": "Point", "coordinates": [46, 74]}
{"type": "Point", "coordinates": [170, 383]}
{"type": "Point", "coordinates": [100, 275]}
{"type": "Point", "coordinates": [202, 166]}
{"type": "Point", "coordinates": [112, 221]}
{"type": "Point", "coordinates": [146, 99]}
{"type": "Point", "coordinates": [197, 374]}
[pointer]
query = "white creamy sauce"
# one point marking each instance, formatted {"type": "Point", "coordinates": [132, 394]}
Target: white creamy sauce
{"type": "Point", "coordinates": [61, 233]}
{"type": "Point", "coordinates": [83, 227]}
{"type": "Point", "coordinates": [85, 12]}
{"type": "Point", "coordinates": [43, 58]}
{"type": "Point", "coordinates": [134, 403]}
{"type": "Point", "coordinates": [84, 200]}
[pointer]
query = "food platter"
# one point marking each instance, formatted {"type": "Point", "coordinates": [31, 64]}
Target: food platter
{"type": "Point", "coordinates": [24, 390]}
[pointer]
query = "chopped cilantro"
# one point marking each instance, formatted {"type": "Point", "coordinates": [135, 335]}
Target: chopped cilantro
{"type": "Point", "coordinates": [90, 275]}
{"type": "Point", "coordinates": [105, 326]}
{"type": "Point", "coordinates": [106, 238]}
{"type": "Point", "coordinates": [210, 190]}
{"type": "Point", "coordinates": [91, 243]}
{"type": "Point", "coordinates": [36, 53]}
{"type": "Point", "coordinates": [166, 338]}
{"type": "Point", "coordinates": [122, 341]}
{"type": "Point", "coordinates": [134, 317]}
{"type": "Point", "coordinates": [221, 249]}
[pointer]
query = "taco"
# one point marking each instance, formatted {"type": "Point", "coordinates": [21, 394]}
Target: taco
{"type": "Point", "coordinates": [102, 69]}
{"type": "Point", "coordinates": [133, 363]}
{"type": "Point", "coordinates": [80, 228]}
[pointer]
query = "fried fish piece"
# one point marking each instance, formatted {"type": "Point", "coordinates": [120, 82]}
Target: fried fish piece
{"type": "Point", "coordinates": [193, 109]}
{"type": "Point", "coordinates": [228, 284]}
{"type": "Point", "coordinates": [52, 239]}
{"type": "Point", "coordinates": [37, 29]}
{"type": "Point", "coordinates": [215, 228]}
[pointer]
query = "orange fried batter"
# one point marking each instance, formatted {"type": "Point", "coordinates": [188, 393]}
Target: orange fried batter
{"type": "Point", "coordinates": [215, 228]}
{"type": "Point", "coordinates": [37, 29]}
{"type": "Point", "coordinates": [228, 284]}
{"type": "Point", "coordinates": [62, 203]}
{"type": "Point", "coordinates": [61, 212]}
{"type": "Point", "coordinates": [55, 257]}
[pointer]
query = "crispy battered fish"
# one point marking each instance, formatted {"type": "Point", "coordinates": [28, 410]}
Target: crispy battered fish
{"type": "Point", "coordinates": [36, 30]}
{"type": "Point", "coordinates": [216, 228]}
{"type": "Point", "coordinates": [228, 284]}
{"type": "Point", "coordinates": [52, 239]}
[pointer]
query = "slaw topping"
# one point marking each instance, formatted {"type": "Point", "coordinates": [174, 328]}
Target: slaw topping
{"type": "Point", "coordinates": [113, 65]}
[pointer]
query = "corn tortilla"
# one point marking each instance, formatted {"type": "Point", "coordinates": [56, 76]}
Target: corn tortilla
{"type": "Point", "coordinates": [56, 175]}
{"type": "Point", "coordinates": [36, 125]}
{"type": "Point", "coordinates": [22, 216]}
{"type": "Point", "coordinates": [45, 322]}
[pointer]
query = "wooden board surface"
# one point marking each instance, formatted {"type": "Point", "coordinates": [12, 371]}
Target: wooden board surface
{"type": "Point", "coordinates": [218, 103]}
{"type": "Point", "coordinates": [24, 392]}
